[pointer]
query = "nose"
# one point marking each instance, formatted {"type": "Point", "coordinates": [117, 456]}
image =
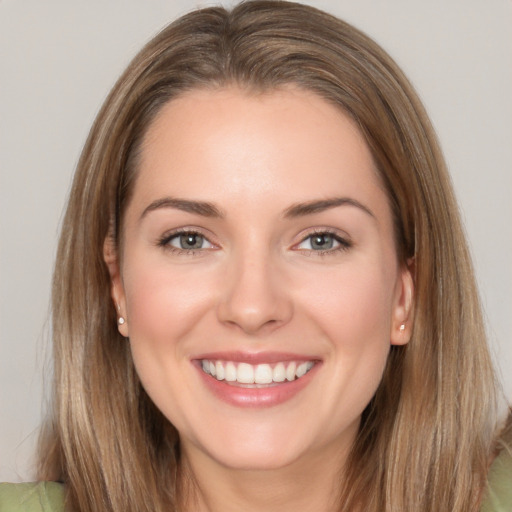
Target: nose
{"type": "Point", "coordinates": [255, 297]}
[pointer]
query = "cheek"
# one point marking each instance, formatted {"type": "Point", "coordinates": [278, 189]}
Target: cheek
{"type": "Point", "coordinates": [353, 313]}
{"type": "Point", "coordinates": [164, 308]}
{"type": "Point", "coordinates": [164, 303]}
{"type": "Point", "coordinates": [350, 309]}
{"type": "Point", "coordinates": [358, 323]}
{"type": "Point", "coordinates": [353, 305]}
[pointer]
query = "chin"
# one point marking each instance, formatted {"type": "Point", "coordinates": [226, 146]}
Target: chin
{"type": "Point", "coordinates": [249, 459]}
{"type": "Point", "coordinates": [240, 447]}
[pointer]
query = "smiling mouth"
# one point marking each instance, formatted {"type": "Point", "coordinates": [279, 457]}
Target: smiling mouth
{"type": "Point", "coordinates": [245, 374]}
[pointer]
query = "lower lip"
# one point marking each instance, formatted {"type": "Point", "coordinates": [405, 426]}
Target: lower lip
{"type": "Point", "coordinates": [267, 396]}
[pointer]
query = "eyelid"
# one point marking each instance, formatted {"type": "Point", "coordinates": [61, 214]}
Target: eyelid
{"type": "Point", "coordinates": [163, 240]}
{"type": "Point", "coordinates": [344, 241]}
{"type": "Point", "coordinates": [177, 238]}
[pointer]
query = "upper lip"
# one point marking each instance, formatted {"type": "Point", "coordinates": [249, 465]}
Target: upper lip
{"type": "Point", "coordinates": [255, 357]}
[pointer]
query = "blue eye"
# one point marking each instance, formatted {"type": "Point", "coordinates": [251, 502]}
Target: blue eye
{"type": "Point", "coordinates": [187, 241]}
{"type": "Point", "coordinates": [322, 242]}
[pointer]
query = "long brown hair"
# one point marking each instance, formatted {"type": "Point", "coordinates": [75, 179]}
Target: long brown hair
{"type": "Point", "coordinates": [425, 438]}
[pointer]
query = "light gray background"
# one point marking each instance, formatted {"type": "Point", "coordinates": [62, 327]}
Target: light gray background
{"type": "Point", "coordinates": [58, 60]}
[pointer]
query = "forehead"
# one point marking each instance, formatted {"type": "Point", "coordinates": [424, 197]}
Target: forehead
{"type": "Point", "coordinates": [286, 144]}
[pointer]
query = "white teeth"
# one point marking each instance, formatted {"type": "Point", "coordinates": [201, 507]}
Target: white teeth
{"type": "Point", "coordinates": [230, 372]}
{"type": "Point", "coordinates": [245, 373]}
{"type": "Point", "coordinates": [301, 370]}
{"type": "Point", "coordinates": [290, 371]}
{"type": "Point", "coordinates": [263, 374]}
{"type": "Point", "coordinates": [279, 373]}
{"type": "Point", "coordinates": [219, 369]}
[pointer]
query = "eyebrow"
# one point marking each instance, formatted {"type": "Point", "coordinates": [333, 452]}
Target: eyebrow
{"type": "Point", "coordinates": [311, 207]}
{"type": "Point", "coordinates": [202, 208]}
{"type": "Point", "coordinates": [206, 209]}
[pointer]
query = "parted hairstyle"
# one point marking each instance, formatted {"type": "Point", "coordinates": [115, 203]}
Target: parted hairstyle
{"type": "Point", "coordinates": [426, 436]}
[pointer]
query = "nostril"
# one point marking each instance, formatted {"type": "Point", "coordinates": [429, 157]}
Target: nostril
{"type": "Point", "coordinates": [254, 320]}
{"type": "Point", "coordinates": [253, 296]}
{"type": "Point", "coordinates": [252, 323]}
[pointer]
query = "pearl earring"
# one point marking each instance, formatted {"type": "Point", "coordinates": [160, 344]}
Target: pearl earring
{"type": "Point", "coordinates": [120, 320]}
{"type": "Point", "coordinates": [402, 328]}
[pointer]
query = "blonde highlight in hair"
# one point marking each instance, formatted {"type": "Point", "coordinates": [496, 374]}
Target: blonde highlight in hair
{"type": "Point", "coordinates": [426, 436]}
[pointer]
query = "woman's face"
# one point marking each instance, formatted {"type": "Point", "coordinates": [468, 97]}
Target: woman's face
{"type": "Point", "coordinates": [259, 278]}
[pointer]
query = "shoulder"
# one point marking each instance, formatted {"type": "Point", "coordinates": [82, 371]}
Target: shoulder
{"type": "Point", "coordinates": [32, 497]}
{"type": "Point", "coordinates": [498, 497]}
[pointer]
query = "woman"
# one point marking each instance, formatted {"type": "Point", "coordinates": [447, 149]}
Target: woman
{"type": "Point", "coordinates": [263, 297]}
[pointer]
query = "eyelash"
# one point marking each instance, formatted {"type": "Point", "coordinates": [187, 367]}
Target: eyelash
{"type": "Point", "coordinates": [344, 244]}
{"type": "Point", "coordinates": [165, 240]}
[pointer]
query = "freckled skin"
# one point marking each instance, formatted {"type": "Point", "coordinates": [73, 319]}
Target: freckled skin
{"type": "Point", "coordinates": [256, 286]}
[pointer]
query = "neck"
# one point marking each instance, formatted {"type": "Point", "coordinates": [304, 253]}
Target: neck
{"type": "Point", "coordinates": [310, 485]}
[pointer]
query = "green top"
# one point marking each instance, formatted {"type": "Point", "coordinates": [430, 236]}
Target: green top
{"type": "Point", "coordinates": [49, 496]}
{"type": "Point", "coordinates": [30, 497]}
{"type": "Point", "coordinates": [498, 497]}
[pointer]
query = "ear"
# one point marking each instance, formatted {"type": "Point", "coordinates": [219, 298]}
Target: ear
{"type": "Point", "coordinates": [111, 257]}
{"type": "Point", "coordinates": [403, 308]}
